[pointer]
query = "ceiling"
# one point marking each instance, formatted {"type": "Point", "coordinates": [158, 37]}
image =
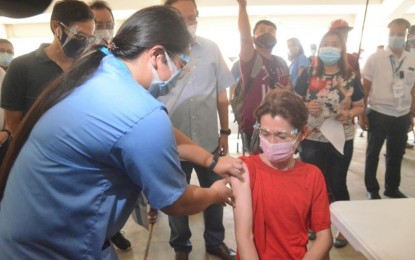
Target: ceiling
{"type": "Point", "coordinates": [218, 18]}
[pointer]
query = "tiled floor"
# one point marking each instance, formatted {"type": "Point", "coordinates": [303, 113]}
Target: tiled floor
{"type": "Point", "coordinates": [159, 247]}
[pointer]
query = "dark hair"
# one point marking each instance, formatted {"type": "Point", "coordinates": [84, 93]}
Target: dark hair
{"type": "Point", "coordinates": [266, 22]}
{"type": "Point", "coordinates": [286, 104]}
{"type": "Point", "coordinates": [345, 69]}
{"type": "Point", "coordinates": [298, 43]}
{"type": "Point", "coordinates": [400, 21]}
{"type": "Point", "coordinates": [157, 25]}
{"type": "Point", "coordinates": [71, 11]}
{"type": "Point", "coordinates": [172, 2]}
{"type": "Point", "coordinates": [99, 5]}
{"type": "Point", "coordinates": [6, 41]}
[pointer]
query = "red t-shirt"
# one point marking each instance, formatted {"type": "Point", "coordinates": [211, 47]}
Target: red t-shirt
{"type": "Point", "coordinates": [285, 205]}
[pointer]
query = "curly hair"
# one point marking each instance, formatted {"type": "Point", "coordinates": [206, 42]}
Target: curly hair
{"type": "Point", "coordinates": [285, 104]}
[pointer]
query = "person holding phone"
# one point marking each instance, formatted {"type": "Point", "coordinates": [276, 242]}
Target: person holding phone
{"type": "Point", "coordinates": [93, 140]}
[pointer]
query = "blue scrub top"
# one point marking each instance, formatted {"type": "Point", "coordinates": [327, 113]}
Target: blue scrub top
{"type": "Point", "coordinates": [78, 175]}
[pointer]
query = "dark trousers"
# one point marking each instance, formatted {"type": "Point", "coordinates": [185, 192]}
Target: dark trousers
{"type": "Point", "coordinates": [214, 230]}
{"type": "Point", "coordinates": [332, 164]}
{"type": "Point", "coordinates": [394, 130]}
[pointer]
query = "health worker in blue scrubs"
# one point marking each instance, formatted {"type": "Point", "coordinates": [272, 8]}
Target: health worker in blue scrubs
{"type": "Point", "coordinates": [94, 139]}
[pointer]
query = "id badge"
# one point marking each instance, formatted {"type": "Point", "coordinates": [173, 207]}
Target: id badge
{"type": "Point", "coordinates": [398, 89]}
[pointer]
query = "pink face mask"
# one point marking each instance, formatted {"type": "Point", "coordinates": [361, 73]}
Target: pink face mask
{"type": "Point", "coordinates": [277, 152]}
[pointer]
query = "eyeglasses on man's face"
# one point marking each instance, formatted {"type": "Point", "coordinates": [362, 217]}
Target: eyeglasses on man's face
{"type": "Point", "coordinates": [104, 26]}
{"type": "Point", "coordinates": [78, 35]}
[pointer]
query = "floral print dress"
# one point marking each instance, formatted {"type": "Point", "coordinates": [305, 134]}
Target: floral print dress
{"type": "Point", "coordinates": [334, 93]}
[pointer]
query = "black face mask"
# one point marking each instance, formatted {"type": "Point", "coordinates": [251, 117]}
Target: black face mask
{"type": "Point", "coordinates": [266, 41]}
{"type": "Point", "coordinates": [73, 47]}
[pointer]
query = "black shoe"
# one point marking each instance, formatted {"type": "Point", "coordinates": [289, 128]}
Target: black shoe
{"type": "Point", "coordinates": [373, 195]}
{"type": "Point", "coordinates": [312, 235]}
{"type": "Point", "coordinates": [339, 243]}
{"type": "Point", "coordinates": [395, 194]}
{"type": "Point", "coordinates": [121, 242]}
{"type": "Point", "coordinates": [181, 255]}
{"type": "Point", "coordinates": [223, 252]}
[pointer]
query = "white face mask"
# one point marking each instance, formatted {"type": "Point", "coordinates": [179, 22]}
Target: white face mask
{"type": "Point", "coordinates": [104, 34]}
{"type": "Point", "coordinates": [192, 30]}
{"type": "Point", "coordinates": [412, 51]}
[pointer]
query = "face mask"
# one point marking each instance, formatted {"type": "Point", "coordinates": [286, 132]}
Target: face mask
{"type": "Point", "coordinates": [266, 41]}
{"type": "Point", "coordinates": [329, 55]}
{"type": "Point", "coordinates": [72, 47]}
{"type": "Point", "coordinates": [104, 34]}
{"type": "Point", "coordinates": [412, 51]}
{"type": "Point", "coordinates": [160, 88]}
{"type": "Point", "coordinates": [396, 42]}
{"type": "Point", "coordinates": [5, 59]}
{"type": "Point", "coordinates": [278, 152]}
{"type": "Point", "coordinates": [192, 30]}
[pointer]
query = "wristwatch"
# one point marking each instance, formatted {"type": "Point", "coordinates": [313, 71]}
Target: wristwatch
{"type": "Point", "coordinates": [225, 132]}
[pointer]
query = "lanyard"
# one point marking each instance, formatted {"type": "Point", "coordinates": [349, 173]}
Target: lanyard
{"type": "Point", "coordinates": [396, 70]}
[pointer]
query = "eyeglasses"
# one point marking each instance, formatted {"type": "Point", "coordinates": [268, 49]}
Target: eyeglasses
{"type": "Point", "coordinates": [191, 20]}
{"type": "Point", "coordinates": [183, 61]}
{"type": "Point", "coordinates": [281, 135]}
{"type": "Point", "coordinates": [102, 26]}
{"type": "Point", "coordinates": [78, 35]}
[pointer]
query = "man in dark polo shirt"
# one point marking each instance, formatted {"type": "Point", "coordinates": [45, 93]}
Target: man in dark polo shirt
{"type": "Point", "coordinates": [72, 23]}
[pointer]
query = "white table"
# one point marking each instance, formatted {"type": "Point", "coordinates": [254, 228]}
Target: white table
{"type": "Point", "coordinates": [379, 229]}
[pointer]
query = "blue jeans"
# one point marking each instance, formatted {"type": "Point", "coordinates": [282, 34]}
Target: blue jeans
{"type": "Point", "coordinates": [214, 230]}
{"type": "Point", "coordinates": [394, 131]}
{"type": "Point", "coordinates": [331, 163]}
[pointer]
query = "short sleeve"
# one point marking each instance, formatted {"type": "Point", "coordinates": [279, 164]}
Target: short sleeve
{"type": "Point", "coordinates": [13, 90]}
{"type": "Point", "coordinates": [148, 154]}
{"type": "Point", "coordinates": [357, 90]}
{"type": "Point", "coordinates": [302, 85]}
{"type": "Point", "coordinates": [368, 70]}
{"type": "Point", "coordinates": [303, 61]}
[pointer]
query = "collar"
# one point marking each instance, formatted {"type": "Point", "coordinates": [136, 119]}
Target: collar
{"type": "Point", "coordinates": [197, 41]}
{"type": "Point", "coordinates": [40, 53]}
{"type": "Point", "coordinates": [391, 54]}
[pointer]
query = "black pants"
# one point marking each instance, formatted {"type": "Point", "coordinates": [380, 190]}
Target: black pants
{"type": "Point", "coordinates": [331, 163]}
{"type": "Point", "coordinates": [394, 130]}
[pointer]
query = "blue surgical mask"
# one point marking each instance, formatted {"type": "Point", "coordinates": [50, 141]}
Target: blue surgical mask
{"type": "Point", "coordinates": [396, 42]}
{"type": "Point", "coordinates": [329, 55]}
{"type": "Point", "coordinates": [160, 88]}
{"type": "Point", "coordinates": [5, 59]}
